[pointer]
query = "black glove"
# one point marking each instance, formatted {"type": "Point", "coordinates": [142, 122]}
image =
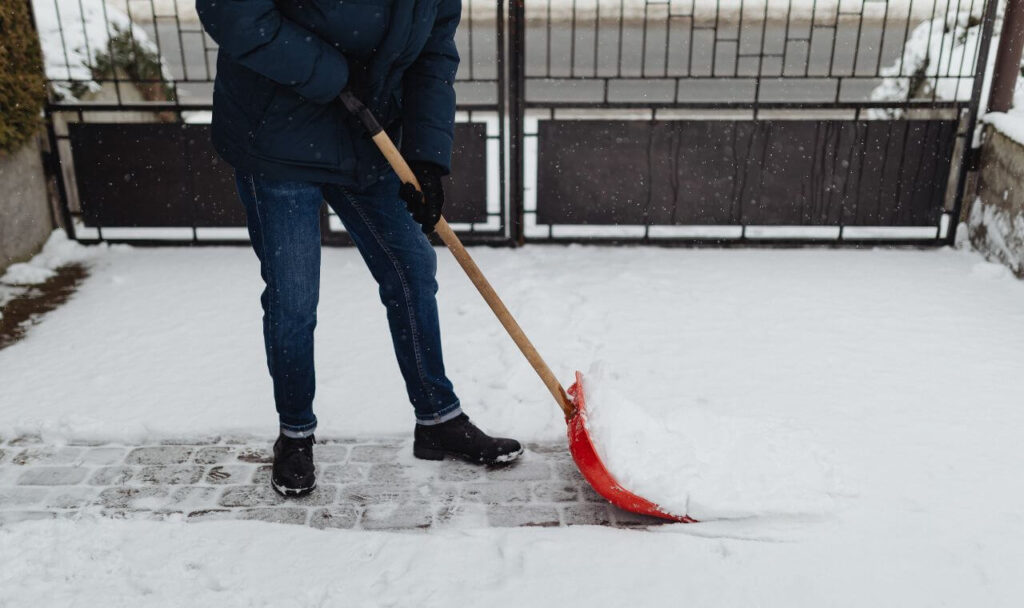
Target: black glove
{"type": "Point", "coordinates": [424, 206]}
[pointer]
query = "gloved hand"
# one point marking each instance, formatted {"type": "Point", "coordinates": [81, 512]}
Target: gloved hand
{"type": "Point", "coordinates": [424, 206]}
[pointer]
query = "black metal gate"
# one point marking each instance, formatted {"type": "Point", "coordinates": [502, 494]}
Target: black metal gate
{"type": "Point", "coordinates": [132, 84]}
{"type": "Point", "coordinates": [590, 120]}
{"type": "Point", "coordinates": [750, 120]}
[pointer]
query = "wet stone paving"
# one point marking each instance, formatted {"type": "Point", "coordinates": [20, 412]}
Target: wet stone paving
{"type": "Point", "coordinates": [362, 484]}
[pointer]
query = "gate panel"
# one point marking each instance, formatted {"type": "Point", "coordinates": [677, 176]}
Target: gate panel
{"type": "Point", "coordinates": [132, 175]}
{"type": "Point", "coordinates": [810, 173]}
{"type": "Point", "coordinates": [675, 121]}
{"type": "Point", "coordinates": [212, 182]}
{"type": "Point", "coordinates": [129, 116]}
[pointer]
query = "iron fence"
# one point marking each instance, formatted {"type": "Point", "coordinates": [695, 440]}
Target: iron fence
{"type": "Point", "coordinates": [131, 86]}
{"type": "Point", "coordinates": [579, 120]}
{"type": "Point", "coordinates": [751, 120]}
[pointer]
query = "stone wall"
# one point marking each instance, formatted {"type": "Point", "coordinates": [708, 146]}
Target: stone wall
{"type": "Point", "coordinates": [25, 217]}
{"type": "Point", "coordinates": [996, 218]}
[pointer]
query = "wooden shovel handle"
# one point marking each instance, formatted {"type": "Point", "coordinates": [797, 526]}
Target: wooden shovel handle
{"type": "Point", "coordinates": [394, 158]}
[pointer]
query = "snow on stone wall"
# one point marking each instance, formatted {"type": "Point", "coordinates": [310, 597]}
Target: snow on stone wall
{"type": "Point", "coordinates": [996, 219]}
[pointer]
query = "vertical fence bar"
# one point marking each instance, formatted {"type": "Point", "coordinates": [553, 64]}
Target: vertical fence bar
{"type": "Point", "coordinates": [516, 105]}
{"type": "Point", "coordinates": [500, 57]}
{"type": "Point", "coordinates": [987, 26]}
{"type": "Point", "coordinates": [1007, 67]}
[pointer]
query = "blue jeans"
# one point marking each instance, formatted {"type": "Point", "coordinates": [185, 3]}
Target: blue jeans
{"type": "Point", "coordinates": [284, 226]}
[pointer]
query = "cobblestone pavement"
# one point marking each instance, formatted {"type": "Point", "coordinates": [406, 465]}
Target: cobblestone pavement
{"type": "Point", "coordinates": [363, 484]}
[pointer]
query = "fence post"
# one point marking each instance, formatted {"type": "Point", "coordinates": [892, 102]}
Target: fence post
{"type": "Point", "coordinates": [1007, 67]}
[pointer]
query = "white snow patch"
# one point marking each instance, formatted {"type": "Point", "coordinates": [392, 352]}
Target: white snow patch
{"type": "Point", "coordinates": [903, 366]}
{"type": "Point", "coordinates": [998, 225]}
{"type": "Point", "coordinates": [75, 33]}
{"type": "Point", "coordinates": [972, 562]}
{"type": "Point", "coordinates": [938, 61]}
{"type": "Point", "coordinates": [57, 251]}
{"type": "Point", "coordinates": [693, 461]}
{"type": "Point", "coordinates": [1010, 124]}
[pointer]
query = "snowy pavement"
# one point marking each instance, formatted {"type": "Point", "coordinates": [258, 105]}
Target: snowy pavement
{"type": "Point", "coordinates": [363, 484]}
{"type": "Point", "coordinates": [892, 376]}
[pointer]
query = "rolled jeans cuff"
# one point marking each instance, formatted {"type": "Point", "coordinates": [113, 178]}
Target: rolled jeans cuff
{"type": "Point", "coordinates": [298, 432]}
{"type": "Point", "coordinates": [443, 415]}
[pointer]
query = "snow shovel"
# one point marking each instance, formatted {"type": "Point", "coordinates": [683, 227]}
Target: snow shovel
{"type": "Point", "coordinates": [573, 404]}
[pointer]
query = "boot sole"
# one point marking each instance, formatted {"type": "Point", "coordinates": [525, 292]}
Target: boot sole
{"type": "Point", "coordinates": [291, 492]}
{"type": "Point", "coordinates": [434, 454]}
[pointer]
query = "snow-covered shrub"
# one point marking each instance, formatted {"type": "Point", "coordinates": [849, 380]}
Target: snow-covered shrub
{"type": "Point", "coordinates": [86, 42]}
{"type": "Point", "coordinates": [22, 85]}
{"type": "Point", "coordinates": [938, 62]}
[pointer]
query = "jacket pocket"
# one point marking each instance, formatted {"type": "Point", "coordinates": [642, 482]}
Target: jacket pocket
{"type": "Point", "coordinates": [296, 131]}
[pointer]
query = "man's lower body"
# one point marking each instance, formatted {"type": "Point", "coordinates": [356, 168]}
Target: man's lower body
{"type": "Point", "coordinates": [284, 227]}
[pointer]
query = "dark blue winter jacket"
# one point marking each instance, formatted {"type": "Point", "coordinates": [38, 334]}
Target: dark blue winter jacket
{"type": "Point", "coordinates": [282, 63]}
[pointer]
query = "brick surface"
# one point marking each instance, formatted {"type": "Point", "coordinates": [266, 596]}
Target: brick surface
{"type": "Point", "coordinates": [556, 491]}
{"type": "Point", "coordinates": [170, 475]}
{"type": "Point", "coordinates": [402, 516]}
{"type": "Point", "coordinates": [48, 455]}
{"type": "Point", "coordinates": [160, 455]}
{"type": "Point", "coordinates": [214, 454]}
{"type": "Point", "coordinates": [589, 494]}
{"type": "Point", "coordinates": [250, 496]}
{"type": "Point", "coordinates": [375, 493]}
{"type": "Point", "coordinates": [455, 470]}
{"type": "Point", "coordinates": [567, 470]}
{"type": "Point", "coordinates": [330, 452]}
{"type": "Point", "coordinates": [338, 516]}
{"type": "Point", "coordinates": [74, 497]}
{"type": "Point", "coordinates": [256, 454]}
{"type": "Point", "coordinates": [229, 474]}
{"type": "Point", "coordinates": [527, 470]}
{"type": "Point", "coordinates": [374, 453]}
{"type": "Point", "coordinates": [496, 493]}
{"type": "Point", "coordinates": [134, 498]}
{"type": "Point", "coordinates": [112, 476]}
{"type": "Point", "coordinates": [342, 473]}
{"type": "Point", "coordinates": [587, 515]}
{"type": "Point", "coordinates": [52, 476]}
{"type": "Point", "coordinates": [261, 475]}
{"type": "Point", "coordinates": [22, 497]}
{"type": "Point", "coordinates": [364, 484]}
{"type": "Point", "coordinates": [501, 516]}
{"type": "Point", "coordinates": [284, 515]}
{"type": "Point", "coordinates": [103, 456]}
{"type": "Point", "coordinates": [193, 497]}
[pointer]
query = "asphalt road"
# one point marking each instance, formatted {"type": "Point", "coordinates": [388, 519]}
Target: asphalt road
{"type": "Point", "coordinates": [564, 63]}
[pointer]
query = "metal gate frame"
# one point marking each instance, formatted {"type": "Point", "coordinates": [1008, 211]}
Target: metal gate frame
{"type": "Point", "coordinates": [511, 121]}
{"type": "Point", "coordinates": [527, 111]}
{"type": "Point", "coordinates": [489, 224]}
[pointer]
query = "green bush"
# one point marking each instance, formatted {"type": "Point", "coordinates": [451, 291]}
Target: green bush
{"type": "Point", "coordinates": [22, 82]}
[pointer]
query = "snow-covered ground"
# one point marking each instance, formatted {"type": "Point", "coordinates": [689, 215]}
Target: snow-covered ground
{"type": "Point", "coordinates": [901, 368]}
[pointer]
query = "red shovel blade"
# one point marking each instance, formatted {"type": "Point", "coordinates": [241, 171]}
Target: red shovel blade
{"type": "Point", "coordinates": [597, 475]}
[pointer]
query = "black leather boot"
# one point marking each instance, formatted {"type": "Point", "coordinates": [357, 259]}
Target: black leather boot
{"type": "Point", "coordinates": [293, 473]}
{"type": "Point", "coordinates": [460, 438]}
